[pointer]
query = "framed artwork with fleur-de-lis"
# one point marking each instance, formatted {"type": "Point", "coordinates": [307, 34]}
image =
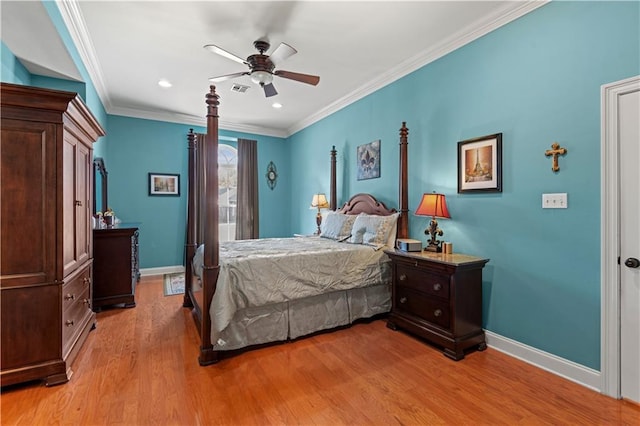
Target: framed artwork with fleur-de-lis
{"type": "Point", "coordinates": [368, 157]}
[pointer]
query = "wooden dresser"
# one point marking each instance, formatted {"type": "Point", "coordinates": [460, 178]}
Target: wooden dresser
{"type": "Point", "coordinates": [439, 298]}
{"type": "Point", "coordinates": [115, 266]}
{"type": "Point", "coordinates": [46, 198]}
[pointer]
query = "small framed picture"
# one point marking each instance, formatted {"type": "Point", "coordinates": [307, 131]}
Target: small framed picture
{"type": "Point", "coordinates": [164, 184]}
{"type": "Point", "coordinates": [480, 164]}
{"type": "Point", "coordinates": [368, 156]}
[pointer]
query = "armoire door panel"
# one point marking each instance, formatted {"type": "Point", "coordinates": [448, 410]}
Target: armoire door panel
{"type": "Point", "coordinates": [28, 203]}
{"type": "Point", "coordinates": [84, 188]}
{"type": "Point", "coordinates": [31, 325]}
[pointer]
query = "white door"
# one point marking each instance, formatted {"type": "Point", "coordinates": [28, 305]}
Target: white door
{"type": "Point", "coordinates": [629, 133]}
{"type": "Point", "coordinates": [620, 237]}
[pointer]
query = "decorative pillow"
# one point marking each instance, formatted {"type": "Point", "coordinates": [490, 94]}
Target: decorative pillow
{"type": "Point", "coordinates": [373, 230]}
{"type": "Point", "coordinates": [336, 226]}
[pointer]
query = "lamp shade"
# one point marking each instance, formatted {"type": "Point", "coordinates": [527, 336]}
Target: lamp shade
{"type": "Point", "coordinates": [319, 201]}
{"type": "Point", "coordinates": [434, 205]}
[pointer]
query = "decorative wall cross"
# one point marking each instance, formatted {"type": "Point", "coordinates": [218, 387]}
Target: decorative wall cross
{"type": "Point", "coordinates": [554, 152]}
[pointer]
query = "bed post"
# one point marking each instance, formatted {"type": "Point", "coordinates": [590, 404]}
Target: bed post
{"type": "Point", "coordinates": [211, 234]}
{"type": "Point", "coordinates": [333, 204]}
{"type": "Point", "coordinates": [403, 220]}
{"type": "Point", "coordinates": [190, 243]}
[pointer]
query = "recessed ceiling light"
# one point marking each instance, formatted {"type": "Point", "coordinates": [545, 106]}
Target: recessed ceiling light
{"type": "Point", "coordinates": [276, 105]}
{"type": "Point", "coordinates": [164, 83]}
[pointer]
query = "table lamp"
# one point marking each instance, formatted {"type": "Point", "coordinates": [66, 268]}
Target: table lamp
{"type": "Point", "coordinates": [434, 205]}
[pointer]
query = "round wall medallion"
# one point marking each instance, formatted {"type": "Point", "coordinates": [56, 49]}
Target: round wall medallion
{"type": "Point", "coordinates": [272, 175]}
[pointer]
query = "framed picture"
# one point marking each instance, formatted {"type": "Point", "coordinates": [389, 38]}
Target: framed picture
{"type": "Point", "coordinates": [480, 164]}
{"type": "Point", "coordinates": [164, 184]}
{"type": "Point", "coordinates": [368, 157]}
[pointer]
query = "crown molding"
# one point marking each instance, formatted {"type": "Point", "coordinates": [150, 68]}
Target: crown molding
{"type": "Point", "coordinates": [176, 117]}
{"type": "Point", "coordinates": [72, 17]}
{"type": "Point", "coordinates": [508, 13]}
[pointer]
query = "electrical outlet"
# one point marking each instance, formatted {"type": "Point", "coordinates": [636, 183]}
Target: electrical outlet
{"type": "Point", "coordinates": [554, 201]}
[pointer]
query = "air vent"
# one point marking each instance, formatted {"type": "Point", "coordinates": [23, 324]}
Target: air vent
{"type": "Point", "coordinates": [240, 88]}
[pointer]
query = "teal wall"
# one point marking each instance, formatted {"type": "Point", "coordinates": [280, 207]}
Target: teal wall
{"type": "Point", "coordinates": [536, 80]}
{"type": "Point", "coordinates": [137, 147]}
{"type": "Point", "coordinates": [11, 70]}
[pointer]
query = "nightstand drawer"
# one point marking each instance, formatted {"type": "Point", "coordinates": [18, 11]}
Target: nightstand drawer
{"type": "Point", "coordinates": [422, 305]}
{"type": "Point", "coordinates": [421, 280]}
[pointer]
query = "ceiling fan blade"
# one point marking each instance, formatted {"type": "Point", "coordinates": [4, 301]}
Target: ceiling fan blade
{"type": "Point", "coordinates": [227, 76]}
{"type": "Point", "coordinates": [303, 78]}
{"type": "Point", "coordinates": [215, 49]}
{"type": "Point", "coordinates": [269, 90]}
{"type": "Point", "coordinates": [281, 53]}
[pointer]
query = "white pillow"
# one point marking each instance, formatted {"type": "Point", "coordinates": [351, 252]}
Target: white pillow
{"type": "Point", "coordinates": [391, 241]}
{"type": "Point", "coordinates": [374, 230]}
{"type": "Point", "coordinates": [336, 226]}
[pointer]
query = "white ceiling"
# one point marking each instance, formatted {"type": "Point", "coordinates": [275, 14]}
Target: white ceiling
{"type": "Point", "coordinates": [355, 48]}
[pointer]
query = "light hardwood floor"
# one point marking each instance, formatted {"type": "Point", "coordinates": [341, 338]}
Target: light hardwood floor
{"type": "Point", "coordinates": [139, 367]}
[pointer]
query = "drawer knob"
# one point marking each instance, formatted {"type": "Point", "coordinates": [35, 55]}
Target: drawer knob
{"type": "Point", "coordinates": [402, 277]}
{"type": "Point", "coordinates": [437, 287]}
{"type": "Point", "coordinates": [86, 301]}
{"type": "Point", "coordinates": [85, 280]}
{"type": "Point", "coordinates": [69, 323]}
{"type": "Point", "coordinates": [403, 300]}
{"type": "Point", "coordinates": [78, 203]}
{"type": "Point", "coordinates": [70, 297]}
{"type": "Point", "coordinates": [437, 313]}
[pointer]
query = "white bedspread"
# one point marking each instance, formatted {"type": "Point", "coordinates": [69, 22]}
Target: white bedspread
{"type": "Point", "coordinates": [273, 270]}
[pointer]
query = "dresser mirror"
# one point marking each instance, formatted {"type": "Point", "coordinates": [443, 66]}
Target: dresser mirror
{"type": "Point", "coordinates": [99, 186]}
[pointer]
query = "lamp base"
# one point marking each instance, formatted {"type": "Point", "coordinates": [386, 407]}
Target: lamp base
{"type": "Point", "coordinates": [435, 248]}
{"type": "Point", "coordinates": [318, 222]}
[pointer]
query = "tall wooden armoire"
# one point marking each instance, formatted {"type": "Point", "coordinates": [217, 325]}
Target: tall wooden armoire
{"type": "Point", "coordinates": [46, 250]}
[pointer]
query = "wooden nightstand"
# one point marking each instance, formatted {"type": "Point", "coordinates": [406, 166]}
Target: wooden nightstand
{"type": "Point", "coordinates": [439, 298]}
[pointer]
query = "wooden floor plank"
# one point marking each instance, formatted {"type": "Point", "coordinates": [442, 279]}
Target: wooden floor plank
{"type": "Point", "coordinates": [139, 367]}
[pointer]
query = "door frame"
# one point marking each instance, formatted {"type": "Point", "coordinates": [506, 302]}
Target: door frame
{"type": "Point", "coordinates": [610, 235]}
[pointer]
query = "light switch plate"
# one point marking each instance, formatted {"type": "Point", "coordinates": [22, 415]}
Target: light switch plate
{"type": "Point", "coordinates": [554, 201]}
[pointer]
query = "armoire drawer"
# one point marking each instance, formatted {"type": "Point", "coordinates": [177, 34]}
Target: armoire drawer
{"type": "Point", "coordinates": [73, 290]}
{"type": "Point", "coordinates": [76, 303]}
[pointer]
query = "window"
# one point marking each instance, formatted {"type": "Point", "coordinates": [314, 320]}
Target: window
{"type": "Point", "coordinates": [227, 194]}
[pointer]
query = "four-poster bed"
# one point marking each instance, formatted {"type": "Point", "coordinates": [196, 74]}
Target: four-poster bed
{"type": "Point", "coordinates": [243, 293]}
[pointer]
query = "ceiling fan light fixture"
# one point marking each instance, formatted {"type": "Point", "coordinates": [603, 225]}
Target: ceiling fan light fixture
{"type": "Point", "coordinates": [261, 77]}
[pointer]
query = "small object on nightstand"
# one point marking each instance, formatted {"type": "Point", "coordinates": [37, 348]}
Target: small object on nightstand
{"type": "Point", "coordinates": [406, 244]}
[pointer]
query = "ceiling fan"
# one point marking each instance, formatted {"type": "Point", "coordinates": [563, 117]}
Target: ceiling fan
{"type": "Point", "coordinates": [262, 67]}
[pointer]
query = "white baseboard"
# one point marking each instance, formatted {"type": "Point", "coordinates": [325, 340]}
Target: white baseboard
{"type": "Point", "coordinates": [161, 270]}
{"type": "Point", "coordinates": [570, 370]}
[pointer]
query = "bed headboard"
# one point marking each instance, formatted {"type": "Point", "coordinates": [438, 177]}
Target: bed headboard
{"type": "Point", "coordinates": [366, 203]}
